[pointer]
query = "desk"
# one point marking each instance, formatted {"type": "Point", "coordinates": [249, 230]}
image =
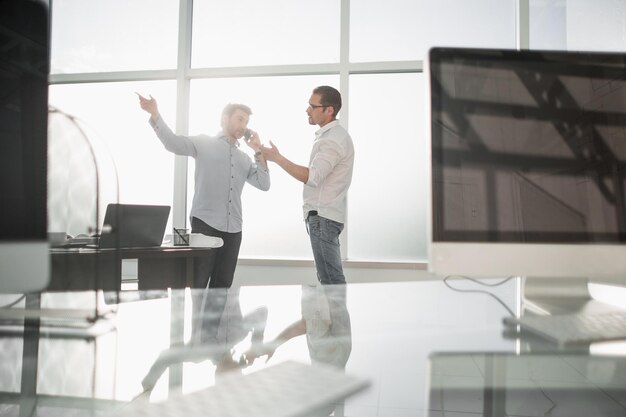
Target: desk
{"type": "Point", "coordinates": [157, 268]}
{"type": "Point", "coordinates": [394, 334]}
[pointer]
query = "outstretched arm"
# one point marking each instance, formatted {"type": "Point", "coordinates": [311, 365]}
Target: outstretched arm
{"type": "Point", "coordinates": [299, 172]}
{"type": "Point", "coordinates": [179, 144]}
{"type": "Point", "coordinates": [297, 328]}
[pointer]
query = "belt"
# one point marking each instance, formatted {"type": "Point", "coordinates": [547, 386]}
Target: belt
{"type": "Point", "coordinates": [311, 213]}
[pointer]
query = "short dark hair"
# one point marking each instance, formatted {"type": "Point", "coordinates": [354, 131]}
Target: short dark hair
{"type": "Point", "coordinates": [329, 96]}
{"type": "Point", "coordinates": [232, 107]}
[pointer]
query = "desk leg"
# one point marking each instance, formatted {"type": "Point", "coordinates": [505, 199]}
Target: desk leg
{"type": "Point", "coordinates": [177, 338]}
{"type": "Point", "coordinates": [30, 359]}
{"type": "Point", "coordinates": [190, 272]}
{"type": "Point", "coordinates": [494, 394]}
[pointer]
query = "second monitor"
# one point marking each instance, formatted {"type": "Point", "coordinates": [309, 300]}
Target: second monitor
{"type": "Point", "coordinates": [528, 163]}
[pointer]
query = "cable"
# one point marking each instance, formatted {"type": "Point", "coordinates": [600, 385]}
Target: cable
{"type": "Point", "coordinates": [549, 412]}
{"type": "Point", "coordinates": [445, 281]}
{"type": "Point", "coordinates": [481, 282]}
{"type": "Point", "coordinates": [14, 302]}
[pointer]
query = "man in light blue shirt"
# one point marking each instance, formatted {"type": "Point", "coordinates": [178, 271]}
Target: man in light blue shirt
{"type": "Point", "coordinates": [221, 171]}
{"type": "Point", "coordinates": [326, 182]}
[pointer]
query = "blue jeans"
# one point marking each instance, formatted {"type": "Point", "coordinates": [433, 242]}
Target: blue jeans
{"type": "Point", "coordinates": [324, 235]}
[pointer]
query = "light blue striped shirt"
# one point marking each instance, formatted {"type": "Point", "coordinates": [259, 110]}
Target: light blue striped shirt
{"type": "Point", "coordinates": [222, 170]}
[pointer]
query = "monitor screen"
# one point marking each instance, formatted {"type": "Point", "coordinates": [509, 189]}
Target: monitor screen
{"type": "Point", "coordinates": [528, 162]}
{"type": "Point", "coordinates": [24, 68]}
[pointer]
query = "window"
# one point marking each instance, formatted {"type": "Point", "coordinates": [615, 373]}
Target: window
{"type": "Point", "coordinates": [268, 32]}
{"type": "Point", "coordinates": [396, 30]}
{"type": "Point", "coordinates": [113, 35]}
{"type": "Point", "coordinates": [145, 170]}
{"type": "Point", "coordinates": [270, 55]}
{"type": "Point", "coordinates": [389, 194]}
{"type": "Point", "coordinates": [578, 25]}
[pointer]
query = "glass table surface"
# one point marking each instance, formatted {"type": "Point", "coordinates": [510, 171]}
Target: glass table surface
{"type": "Point", "coordinates": [427, 348]}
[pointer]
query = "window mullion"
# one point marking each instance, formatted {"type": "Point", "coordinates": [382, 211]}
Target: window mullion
{"type": "Point", "coordinates": [179, 211]}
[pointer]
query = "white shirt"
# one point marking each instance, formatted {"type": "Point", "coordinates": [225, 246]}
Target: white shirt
{"type": "Point", "coordinates": [330, 172]}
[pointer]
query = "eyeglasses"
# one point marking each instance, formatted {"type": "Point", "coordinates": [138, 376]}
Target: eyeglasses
{"type": "Point", "coordinates": [316, 106]}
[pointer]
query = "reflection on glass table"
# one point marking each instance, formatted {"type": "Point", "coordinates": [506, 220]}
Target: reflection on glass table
{"type": "Point", "coordinates": [168, 343]}
{"type": "Point", "coordinates": [218, 326]}
{"type": "Point", "coordinates": [548, 384]}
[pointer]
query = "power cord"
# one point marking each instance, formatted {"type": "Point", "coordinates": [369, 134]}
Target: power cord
{"type": "Point", "coordinates": [11, 304]}
{"type": "Point", "coordinates": [445, 281]}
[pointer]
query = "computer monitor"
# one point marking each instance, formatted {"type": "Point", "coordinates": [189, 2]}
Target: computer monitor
{"type": "Point", "coordinates": [528, 163]}
{"type": "Point", "coordinates": [24, 68]}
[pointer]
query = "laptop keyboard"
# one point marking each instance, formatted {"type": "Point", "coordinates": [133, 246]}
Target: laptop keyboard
{"type": "Point", "coordinates": [78, 242]}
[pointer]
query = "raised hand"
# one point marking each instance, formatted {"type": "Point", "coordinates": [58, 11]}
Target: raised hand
{"type": "Point", "coordinates": [255, 141]}
{"type": "Point", "coordinates": [271, 153]}
{"type": "Point", "coordinates": [149, 105]}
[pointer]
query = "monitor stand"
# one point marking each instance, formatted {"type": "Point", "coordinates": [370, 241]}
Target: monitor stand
{"type": "Point", "coordinates": [551, 296]}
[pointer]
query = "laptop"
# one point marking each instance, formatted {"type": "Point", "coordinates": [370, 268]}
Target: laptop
{"type": "Point", "coordinates": [133, 226]}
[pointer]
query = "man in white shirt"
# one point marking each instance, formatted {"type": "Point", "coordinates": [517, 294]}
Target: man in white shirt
{"type": "Point", "coordinates": [326, 181]}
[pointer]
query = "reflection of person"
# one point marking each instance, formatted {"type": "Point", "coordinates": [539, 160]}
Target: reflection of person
{"type": "Point", "coordinates": [326, 181]}
{"type": "Point", "coordinates": [218, 326]}
{"type": "Point", "coordinates": [222, 169]}
{"type": "Point", "coordinates": [326, 323]}
{"type": "Point", "coordinates": [222, 325]}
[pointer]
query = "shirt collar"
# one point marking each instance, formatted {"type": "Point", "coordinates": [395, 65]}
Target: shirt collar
{"type": "Point", "coordinates": [222, 136]}
{"type": "Point", "coordinates": [326, 127]}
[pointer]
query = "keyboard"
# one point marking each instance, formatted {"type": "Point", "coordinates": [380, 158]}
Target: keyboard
{"type": "Point", "coordinates": [77, 242]}
{"type": "Point", "coordinates": [288, 389]}
{"type": "Point", "coordinates": [570, 329]}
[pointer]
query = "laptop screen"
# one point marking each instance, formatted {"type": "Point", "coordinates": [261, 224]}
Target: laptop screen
{"type": "Point", "coordinates": [133, 226]}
